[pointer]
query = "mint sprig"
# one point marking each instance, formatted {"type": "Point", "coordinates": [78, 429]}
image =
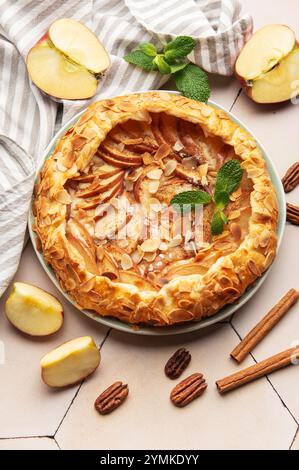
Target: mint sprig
{"type": "Point", "coordinates": [193, 83]}
{"type": "Point", "coordinates": [189, 199]}
{"type": "Point", "coordinates": [228, 180]}
{"type": "Point", "coordinates": [190, 80]}
{"type": "Point", "coordinates": [179, 48]}
{"type": "Point", "coordinates": [142, 60]}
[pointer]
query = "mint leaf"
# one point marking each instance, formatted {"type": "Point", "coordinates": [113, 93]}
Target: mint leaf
{"type": "Point", "coordinates": [162, 65]}
{"type": "Point", "coordinates": [229, 177]}
{"type": "Point", "coordinates": [189, 199]}
{"type": "Point", "coordinates": [217, 223]}
{"type": "Point", "coordinates": [221, 199]}
{"type": "Point", "coordinates": [178, 66]}
{"type": "Point", "coordinates": [148, 48]}
{"type": "Point", "coordinates": [178, 48]}
{"type": "Point", "coordinates": [140, 59]}
{"type": "Point", "coordinates": [193, 83]}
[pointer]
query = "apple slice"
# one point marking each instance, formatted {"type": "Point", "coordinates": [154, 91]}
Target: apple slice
{"type": "Point", "coordinates": [78, 43]}
{"type": "Point", "coordinates": [264, 50]}
{"type": "Point", "coordinates": [98, 187]}
{"type": "Point", "coordinates": [268, 65]}
{"type": "Point", "coordinates": [280, 84]}
{"type": "Point", "coordinates": [33, 311]}
{"type": "Point", "coordinates": [67, 61]}
{"type": "Point", "coordinates": [70, 363]}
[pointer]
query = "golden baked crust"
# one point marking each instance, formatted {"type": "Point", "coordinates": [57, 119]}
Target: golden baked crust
{"type": "Point", "coordinates": [183, 298]}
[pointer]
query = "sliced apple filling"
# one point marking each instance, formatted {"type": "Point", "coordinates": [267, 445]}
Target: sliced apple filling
{"type": "Point", "coordinates": [119, 219]}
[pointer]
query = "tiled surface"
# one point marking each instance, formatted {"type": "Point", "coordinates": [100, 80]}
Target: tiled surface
{"type": "Point", "coordinates": [241, 419]}
{"type": "Point", "coordinates": [149, 420]}
{"type": "Point", "coordinates": [27, 406]}
{"type": "Point", "coordinates": [37, 443]}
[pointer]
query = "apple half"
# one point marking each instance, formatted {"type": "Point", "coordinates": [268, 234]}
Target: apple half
{"type": "Point", "coordinates": [70, 362]}
{"type": "Point", "coordinates": [268, 65]}
{"type": "Point", "coordinates": [33, 311]}
{"type": "Point", "coordinates": [67, 61]}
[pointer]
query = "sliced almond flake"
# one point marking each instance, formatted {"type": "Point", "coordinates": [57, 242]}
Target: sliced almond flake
{"type": "Point", "coordinates": [60, 166]}
{"type": "Point", "coordinates": [162, 152]}
{"type": "Point", "coordinates": [150, 245]}
{"type": "Point", "coordinates": [175, 242]}
{"type": "Point", "coordinates": [153, 186]}
{"type": "Point", "coordinates": [136, 257]}
{"type": "Point", "coordinates": [178, 146]}
{"type": "Point", "coordinates": [123, 243]}
{"type": "Point", "coordinates": [150, 257]}
{"type": "Point", "coordinates": [134, 175]}
{"type": "Point", "coordinates": [147, 158]}
{"type": "Point", "coordinates": [126, 262]}
{"type": "Point", "coordinates": [63, 197]}
{"type": "Point", "coordinates": [234, 215]}
{"type": "Point", "coordinates": [170, 167]}
{"type": "Point", "coordinates": [100, 252]}
{"type": "Point", "coordinates": [163, 246]}
{"type": "Point", "coordinates": [154, 174]}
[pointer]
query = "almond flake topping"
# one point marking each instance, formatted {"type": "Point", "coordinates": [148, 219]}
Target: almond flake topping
{"type": "Point", "coordinates": [126, 262]}
{"type": "Point", "coordinates": [150, 245]}
{"type": "Point", "coordinates": [170, 167]}
{"type": "Point", "coordinates": [178, 146]}
{"type": "Point", "coordinates": [154, 174]}
{"type": "Point", "coordinates": [153, 186]}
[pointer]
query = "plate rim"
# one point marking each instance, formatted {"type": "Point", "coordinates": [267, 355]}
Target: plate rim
{"type": "Point", "coordinates": [189, 327]}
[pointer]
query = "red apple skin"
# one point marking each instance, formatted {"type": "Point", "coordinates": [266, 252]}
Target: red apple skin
{"type": "Point", "coordinates": [42, 39]}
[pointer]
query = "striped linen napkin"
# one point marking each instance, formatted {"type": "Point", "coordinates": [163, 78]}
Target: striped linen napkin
{"type": "Point", "coordinates": [28, 117]}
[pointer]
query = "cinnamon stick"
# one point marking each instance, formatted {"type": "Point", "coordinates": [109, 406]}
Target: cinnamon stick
{"type": "Point", "coordinates": [264, 326]}
{"type": "Point", "coordinates": [265, 367]}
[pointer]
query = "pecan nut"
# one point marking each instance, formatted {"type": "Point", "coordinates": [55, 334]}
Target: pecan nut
{"type": "Point", "coordinates": [177, 363]}
{"type": "Point", "coordinates": [111, 398]}
{"type": "Point", "coordinates": [189, 389]}
{"type": "Point", "coordinates": [292, 214]}
{"type": "Point", "coordinates": [291, 178]}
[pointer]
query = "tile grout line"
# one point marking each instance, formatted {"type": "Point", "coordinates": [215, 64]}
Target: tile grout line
{"type": "Point", "coordinates": [294, 438]}
{"type": "Point", "coordinates": [269, 381]}
{"type": "Point", "coordinates": [59, 448]}
{"type": "Point", "coordinates": [79, 388]}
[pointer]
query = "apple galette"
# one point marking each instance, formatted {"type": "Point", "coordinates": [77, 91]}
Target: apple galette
{"type": "Point", "coordinates": [106, 223]}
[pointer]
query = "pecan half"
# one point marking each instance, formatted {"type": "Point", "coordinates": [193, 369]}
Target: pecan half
{"type": "Point", "coordinates": [177, 363]}
{"type": "Point", "coordinates": [111, 398]}
{"type": "Point", "coordinates": [292, 214]}
{"type": "Point", "coordinates": [189, 389]}
{"type": "Point", "coordinates": [291, 178]}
